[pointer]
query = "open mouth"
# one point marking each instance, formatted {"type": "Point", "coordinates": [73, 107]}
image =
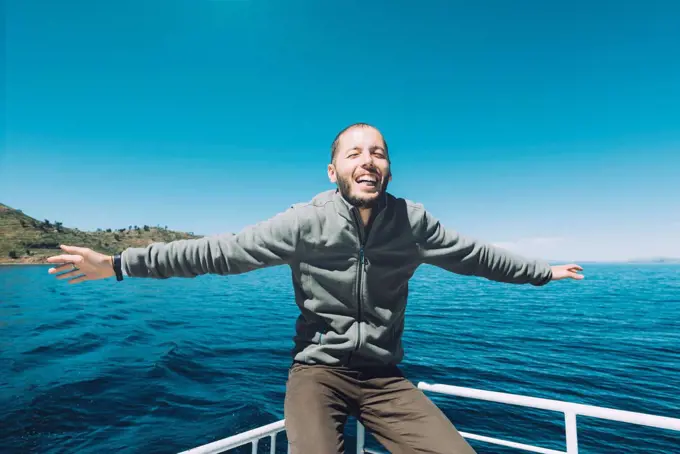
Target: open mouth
{"type": "Point", "coordinates": [367, 181]}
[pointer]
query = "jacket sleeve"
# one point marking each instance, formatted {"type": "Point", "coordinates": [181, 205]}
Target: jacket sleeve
{"type": "Point", "coordinates": [447, 249]}
{"type": "Point", "coordinates": [269, 243]}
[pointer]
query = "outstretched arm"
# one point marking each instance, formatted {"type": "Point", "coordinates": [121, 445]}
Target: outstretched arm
{"type": "Point", "coordinates": [269, 243]}
{"type": "Point", "coordinates": [451, 251]}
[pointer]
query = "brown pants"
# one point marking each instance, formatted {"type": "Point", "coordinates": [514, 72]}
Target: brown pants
{"type": "Point", "coordinates": [399, 415]}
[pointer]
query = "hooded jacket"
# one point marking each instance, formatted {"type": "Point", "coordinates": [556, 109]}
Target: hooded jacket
{"type": "Point", "coordinates": [350, 282]}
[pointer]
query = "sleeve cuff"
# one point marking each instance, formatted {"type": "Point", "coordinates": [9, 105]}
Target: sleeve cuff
{"type": "Point", "coordinates": [546, 278]}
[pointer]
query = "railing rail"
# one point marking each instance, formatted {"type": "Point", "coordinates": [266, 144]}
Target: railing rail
{"type": "Point", "coordinates": [661, 422]}
{"type": "Point", "coordinates": [251, 437]}
{"type": "Point", "coordinates": [570, 411]}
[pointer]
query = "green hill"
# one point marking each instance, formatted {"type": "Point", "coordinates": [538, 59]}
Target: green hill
{"type": "Point", "coordinates": [24, 239]}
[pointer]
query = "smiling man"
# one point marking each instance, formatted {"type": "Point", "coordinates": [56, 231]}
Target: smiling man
{"type": "Point", "coordinates": [352, 252]}
{"type": "Point", "coordinates": [360, 183]}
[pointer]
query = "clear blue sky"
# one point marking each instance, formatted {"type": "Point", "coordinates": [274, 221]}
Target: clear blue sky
{"type": "Point", "coordinates": [552, 129]}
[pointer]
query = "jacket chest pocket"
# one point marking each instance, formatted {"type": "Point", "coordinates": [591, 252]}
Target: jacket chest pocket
{"type": "Point", "coordinates": [330, 281]}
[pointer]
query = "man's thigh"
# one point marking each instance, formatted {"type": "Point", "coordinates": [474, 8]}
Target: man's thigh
{"type": "Point", "coordinates": [317, 403]}
{"type": "Point", "coordinates": [405, 420]}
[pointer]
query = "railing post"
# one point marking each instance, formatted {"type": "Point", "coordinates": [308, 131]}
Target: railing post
{"type": "Point", "coordinates": [255, 443]}
{"type": "Point", "coordinates": [361, 438]}
{"type": "Point", "coordinates": [572, 438]}
{"type": "Point", "coordinates": [272, 444]}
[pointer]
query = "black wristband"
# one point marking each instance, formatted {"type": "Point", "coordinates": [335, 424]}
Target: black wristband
{"type": "Point", "coordinates": [117, 267]}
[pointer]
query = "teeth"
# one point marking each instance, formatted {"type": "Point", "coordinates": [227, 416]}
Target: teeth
{"type": "Point", "coordinates": [367, 179]}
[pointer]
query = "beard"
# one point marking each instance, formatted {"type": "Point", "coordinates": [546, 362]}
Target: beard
{"type": "Point", "coordinates": [361, 200]}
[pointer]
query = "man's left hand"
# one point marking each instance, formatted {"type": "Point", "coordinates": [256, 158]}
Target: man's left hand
{"type": "Point", "coordinates": [566, 272]}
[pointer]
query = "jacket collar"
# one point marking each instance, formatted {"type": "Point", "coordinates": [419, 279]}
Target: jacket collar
{"type": "Point", "coordinates": [346, 208]}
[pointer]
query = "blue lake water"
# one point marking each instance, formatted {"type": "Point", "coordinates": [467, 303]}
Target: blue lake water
{"type": "Point", "coordinates": [161, 366]}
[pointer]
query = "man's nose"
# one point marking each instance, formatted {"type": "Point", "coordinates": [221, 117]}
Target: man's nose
{"type": "Point", "coordinates": [366, 159]}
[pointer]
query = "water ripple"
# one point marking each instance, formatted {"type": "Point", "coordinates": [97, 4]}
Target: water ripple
{"type": "Point", "coordinates": [165, 366]}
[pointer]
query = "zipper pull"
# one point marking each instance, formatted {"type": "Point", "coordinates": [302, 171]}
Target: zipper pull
{"type": "Point", "coordinates": [362, 258]}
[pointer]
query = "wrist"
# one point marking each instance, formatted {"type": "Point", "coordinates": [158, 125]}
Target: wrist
{"type": "Point", "coordinates": [116, 264]}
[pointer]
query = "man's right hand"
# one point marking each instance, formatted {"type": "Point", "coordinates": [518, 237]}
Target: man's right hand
{"type": "Point", "coordinates": [81, 264]}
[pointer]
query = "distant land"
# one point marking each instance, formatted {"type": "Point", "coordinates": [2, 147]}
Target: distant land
{"type": "Point", "coordinates": [27, 240]}
{"type": "Point", "coordinates": [641, 261]}
{"type": "Point", "coordinates": [656, 260]}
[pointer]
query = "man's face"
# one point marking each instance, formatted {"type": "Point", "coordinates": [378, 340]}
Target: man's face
{"type": "Point", "coordinates": [361, 167]}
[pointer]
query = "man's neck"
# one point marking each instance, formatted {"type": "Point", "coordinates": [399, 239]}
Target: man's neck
{"type": "Point", "coordinates": [365, 214]}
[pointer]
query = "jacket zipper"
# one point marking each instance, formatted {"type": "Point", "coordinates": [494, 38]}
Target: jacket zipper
{"type": "Point", "coordinates": [360, 276]}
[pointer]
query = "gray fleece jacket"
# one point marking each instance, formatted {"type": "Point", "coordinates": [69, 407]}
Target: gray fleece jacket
{"type": "Point", "coordinates": [351, 284]}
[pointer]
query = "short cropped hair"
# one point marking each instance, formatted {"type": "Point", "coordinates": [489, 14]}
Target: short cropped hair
{"type": "Point", "coordinates": [334, 145]}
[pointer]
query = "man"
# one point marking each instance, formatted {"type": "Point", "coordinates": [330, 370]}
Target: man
{"type": "Point", "coordinates": [352, 252]}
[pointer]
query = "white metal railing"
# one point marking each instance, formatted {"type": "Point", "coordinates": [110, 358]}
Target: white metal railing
{"type": "Point", "coordinates": [569, 409]}
{"type": "Point", "coordinates": [251, 437]}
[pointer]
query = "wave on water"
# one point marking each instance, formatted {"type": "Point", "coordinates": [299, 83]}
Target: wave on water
{"type": "Point", "coordinates": [160, 367]}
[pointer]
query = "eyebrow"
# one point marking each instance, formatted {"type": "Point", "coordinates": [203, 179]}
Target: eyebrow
{"type": "Point", "coordinates": [373, 148]}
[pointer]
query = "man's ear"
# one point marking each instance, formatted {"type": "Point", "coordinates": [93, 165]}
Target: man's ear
{"type": "Point", "coordinates": [331, 173]}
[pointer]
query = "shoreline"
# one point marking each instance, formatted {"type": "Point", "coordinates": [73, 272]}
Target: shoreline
{"type": "Point", "coordinates": [585, 263]}
{"type": "Point", "coordinates": [24, 264]}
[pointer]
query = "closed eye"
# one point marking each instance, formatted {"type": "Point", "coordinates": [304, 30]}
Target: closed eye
{"type": "Point", "coordinates": [378, 152]}
{"type": "Point", "coordinates": [354, 152]}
